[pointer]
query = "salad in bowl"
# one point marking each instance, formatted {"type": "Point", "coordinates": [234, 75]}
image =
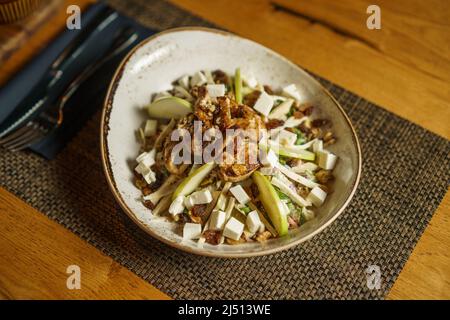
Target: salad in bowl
{"type": "Point", "coordinates": [218, 146]}
{"type": "Point", "coordinates": [267, 170]}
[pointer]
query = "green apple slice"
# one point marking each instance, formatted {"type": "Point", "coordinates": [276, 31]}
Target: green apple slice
{"type": "Point", "coordinates": [271, 203]}
{"type": "Point", "coordinates": [238, 85]}
{"type": "Point", "coordinates": [292, 151]}
{"type": "Point", "coordinates": [193, 180]}
{"type": "Point", "coordinates": [169, 108]}
{"type": "Point", "coordinates": [282, 110]}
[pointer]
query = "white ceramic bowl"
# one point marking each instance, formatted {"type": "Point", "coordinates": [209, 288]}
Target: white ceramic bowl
{"type": "Point", "coordinates": [152, 66]}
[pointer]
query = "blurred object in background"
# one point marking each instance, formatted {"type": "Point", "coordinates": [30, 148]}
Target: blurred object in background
{"type": "Point", "coordinates": [17, 34]}
{"type": "Point", "coordinates": [15, 10]}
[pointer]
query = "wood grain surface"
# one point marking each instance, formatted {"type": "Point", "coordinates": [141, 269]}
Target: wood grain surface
{"type": "Point", "coordinates": [15, 35]}
{"type": "Point", "coordinates": [405, 67]}
{"type": "Point", "coordinates": [35, 253]}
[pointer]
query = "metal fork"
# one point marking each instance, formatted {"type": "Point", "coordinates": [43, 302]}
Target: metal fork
{"type": "Point", "coordinates": [53, 117]}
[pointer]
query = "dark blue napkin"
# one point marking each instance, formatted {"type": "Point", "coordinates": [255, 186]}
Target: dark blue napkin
{"type": "Point", "coordinates": [89, 97]}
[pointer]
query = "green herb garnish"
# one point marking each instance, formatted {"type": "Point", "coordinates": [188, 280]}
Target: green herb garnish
{"type": "Point", "coordinates": [245, 209]}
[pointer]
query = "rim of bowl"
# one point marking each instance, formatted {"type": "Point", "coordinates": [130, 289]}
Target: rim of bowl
{"type": "Point", "coordinates": [104, 128]}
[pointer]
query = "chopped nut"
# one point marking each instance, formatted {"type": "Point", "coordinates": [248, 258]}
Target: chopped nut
{"type": "Point", "coordinates": [327, 136]}
{"type": "Point", "coordinates": [323, 176]}
{"type": "Point", "coordinates": [263, 236]}
{"type": "Point", "coordinates": [234, 242]}
{"type": "Point", "coordinates": [140, 183]}
{"type": "Point", "coordinates": [198, 92]}
{"type": "Point", "coordinates": [212, 236]}
{"type": "Point", "coordinates": [316, 132]}
{"type": "Point", "coordinates": [303, 191]}
{"type": "Point", "coordinates": [305, 128]}
{"type": "Point", "coordinates": [298, 114]}
{"type": "Point", "coordinates": [195, 219]}
{"type": "Point", "coordinates": [198, 213]}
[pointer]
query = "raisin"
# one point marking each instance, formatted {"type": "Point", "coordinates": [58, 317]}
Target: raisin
{"type": "Point", "coordinates": [255, 191]}
{"type": "Point", "coordinates": [292, 162]}
{"type": "Point", "coordinates": [149, 204]}
{"type": "Point", "coordinates": [199, 210]}
{"type": "Point", "coordinates": [320, 122]}
{"type": "Point", "coordinates": [250, 99]}
{"type": "Point", "coordinates": [307, 111]}
{"type": "Point", "coordinates": [146, 190]}
{"type": "Point", "coordinates": [274, 123]}
{"type": "Point", "coordinates": [212, 237]}
{"type": "Point", "coordinates": [268, 89]}
{"type": "Point", "coordinates": [220, 77]}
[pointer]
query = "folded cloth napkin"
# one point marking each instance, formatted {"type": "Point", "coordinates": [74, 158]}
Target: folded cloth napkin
{"type": "Point", "coordinates": [89, 96]}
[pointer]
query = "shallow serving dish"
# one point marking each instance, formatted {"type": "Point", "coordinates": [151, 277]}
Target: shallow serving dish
{"type": "Point", "coordinates": [151, 67]}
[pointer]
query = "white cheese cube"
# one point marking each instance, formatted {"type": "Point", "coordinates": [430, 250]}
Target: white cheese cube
{"type": "Point", "coordinates": [253, 222]}
{"type": "Point", "coordinates": [141, 157]}
{"type": "Point", "coordinates": [142, 169]}
{"type": "Point", "coordinates": [268, 171]}
{"type": "Point", "coordinates": [177, 206]}
{"type": "Point", "coordinates": [239, 193]}
{"type": "Point", "coordinates": [303, 167]}
{"type": "Point", "coordinates": [184, 82]}
{"type": "Point", "coordinates": [308, 214]}
{"type": "Point", "coordinates": [291, 91]}
{"type": "Point", "coordinates": [233, 229]}
{"type": "Point", "coordinates": [249, 80]}
{"type": "Point", "coordinates": [264, 104]}
{"type": "Point", "coordinates": [262, 228]}
{"type": "Point", "coordinates": [150, 128]}
{"type": "Point", "coordinates": [286, 137]}
{"type": "Point", "coordinates": [198, 79]}
{"type": "Point", "coordinates": [326, 160]}
{"type": "Point", "coordinates": [317, 146]}
{"type": "Point", "coordinates": [217, 220]}
{"type": "Point", "coordinates": [201, 197]}
{"type": "Point", "coordinates": [209, 77]}
{"type": "Point", "coordinates": [215, 90]}
{"type": "Point", "coordinates": [293, 122]}
{"type": "Point", "coordinates": [147, 158]}
{"type": "Point", "coordinates": [160, 95]}
{"type": "Point", "coordinates": [192, 231]}
{"type": "Point", "coordinates": [188, 202]}
{"type": "Point", "coordinates": [317, 196]}
{"type": "Point", "coordinates": [268, 158]}
{"type": "Point", "coordinates": [182, 93]}
{"type": "Point", "coordinates": [150, 177]}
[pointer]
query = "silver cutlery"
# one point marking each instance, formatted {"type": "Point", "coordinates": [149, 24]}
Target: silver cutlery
{"type": "Point", "coordinates": [51, 118]}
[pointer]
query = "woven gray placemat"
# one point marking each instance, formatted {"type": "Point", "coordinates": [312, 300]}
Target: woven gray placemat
{"type": "Point", "coordinates": [405, 176]}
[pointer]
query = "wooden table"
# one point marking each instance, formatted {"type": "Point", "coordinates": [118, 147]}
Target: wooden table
{"type": "Point", "coordinates": [404, 67]}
